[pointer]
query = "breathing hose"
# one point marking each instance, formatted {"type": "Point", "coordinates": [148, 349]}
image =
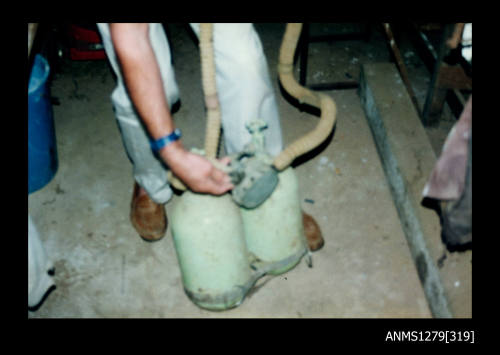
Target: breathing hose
{"type": "Point", "coordinates": [285, 70]}
{"type": "Point", "coordinates": [325, 103]}
{"type": "Point", "coordinates": [213, 125]}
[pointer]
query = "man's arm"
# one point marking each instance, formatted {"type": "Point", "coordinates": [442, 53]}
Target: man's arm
{"type": "Point", "coordinates": [142, 77]}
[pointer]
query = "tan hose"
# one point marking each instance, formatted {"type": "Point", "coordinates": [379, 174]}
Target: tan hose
{"type": "Point", "coordinates": [285, 69]}
{"type": "Point", "coordinates": [213, 124]}
{"type": "Point", "coordinates": [325, 103]}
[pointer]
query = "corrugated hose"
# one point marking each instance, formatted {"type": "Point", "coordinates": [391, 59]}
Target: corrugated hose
{"type": "Point", "coordinates": [321, 101]}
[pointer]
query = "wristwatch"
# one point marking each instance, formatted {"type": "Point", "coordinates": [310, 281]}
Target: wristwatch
{"type": "Point", "coordinates": [159, 143]}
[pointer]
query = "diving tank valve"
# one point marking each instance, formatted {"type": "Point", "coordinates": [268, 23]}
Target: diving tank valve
{"type": "Point", "coordinates": [251, 170]}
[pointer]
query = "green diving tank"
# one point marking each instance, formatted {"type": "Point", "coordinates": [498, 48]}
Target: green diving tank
{"type": "Point", "coordinates": [210, 245]}
{"type": "Point", "coordinates": [274, 231]}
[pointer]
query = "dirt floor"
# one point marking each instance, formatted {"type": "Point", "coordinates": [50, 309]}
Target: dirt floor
{"type": "Point", "coordinates": [104, 270]}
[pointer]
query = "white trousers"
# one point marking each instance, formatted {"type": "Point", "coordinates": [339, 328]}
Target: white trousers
{"type": "Point", "coordinates": [244, 89]}
{"type": "Point", "coordinates": [39, 281]}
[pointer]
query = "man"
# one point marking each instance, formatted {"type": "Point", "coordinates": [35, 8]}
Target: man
{"type": "Point", "coordinates": [146, 89]}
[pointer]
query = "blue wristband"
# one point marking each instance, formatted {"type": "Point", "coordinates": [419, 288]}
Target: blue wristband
{"type": "Point", "coordinates": [159, 143]}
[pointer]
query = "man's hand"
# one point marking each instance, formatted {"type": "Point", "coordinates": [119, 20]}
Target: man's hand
{"type": "Point", "coordinates": [143, 79]}
{"type": "Point", "coordinates": [197, 172]}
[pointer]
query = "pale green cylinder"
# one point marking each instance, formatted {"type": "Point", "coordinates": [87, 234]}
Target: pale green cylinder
{"type": "Point", "coordinates": [211, 250]}
{"type": "Point", "coordinates": [274, 231]}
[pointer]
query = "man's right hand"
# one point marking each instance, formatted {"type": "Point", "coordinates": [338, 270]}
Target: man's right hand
{"type": "Point", "coordinates": [143, 79]}
{"type": "Point", "coordinates": [196, 171]}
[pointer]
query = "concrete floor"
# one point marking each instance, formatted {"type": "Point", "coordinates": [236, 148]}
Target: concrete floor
{"type": "Point", "coordinates": [103, 269]}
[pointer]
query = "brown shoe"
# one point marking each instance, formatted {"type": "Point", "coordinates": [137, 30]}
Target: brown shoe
{"type": "Point", "coordinates": [313, 234]}
{"type": "Point", "coordinates": [147, 216]}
